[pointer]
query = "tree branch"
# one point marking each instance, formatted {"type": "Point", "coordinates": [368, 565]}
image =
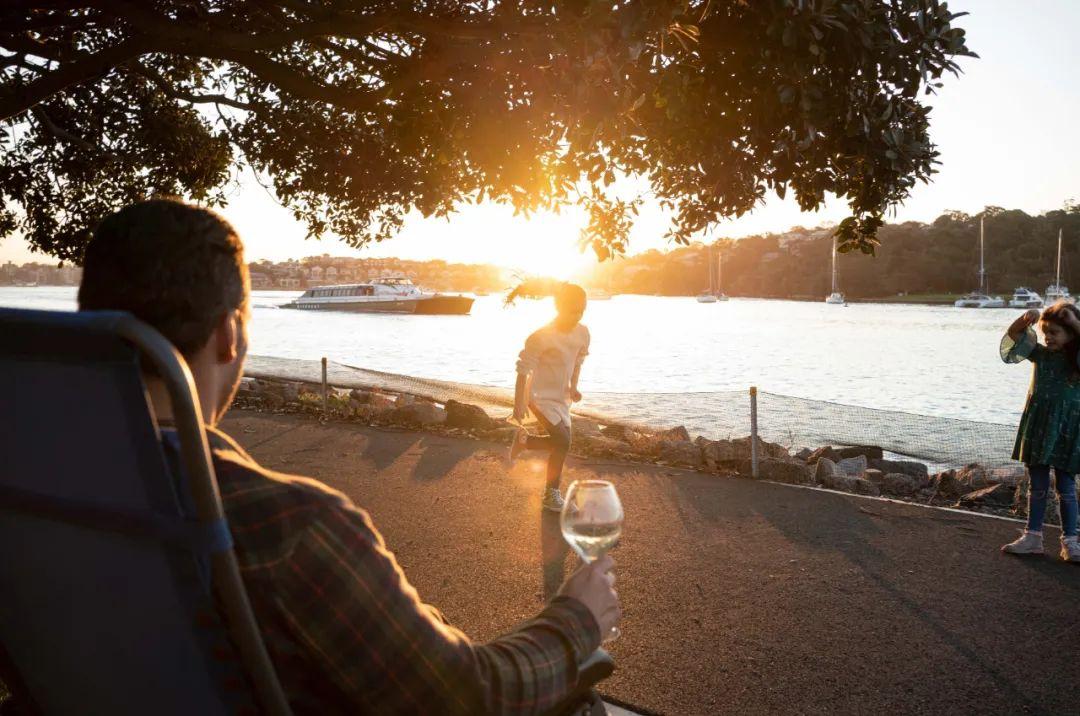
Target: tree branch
{"type": "Point", "coordinates": [172, 91]}
{"type": "Point", "coordinates": [59, 132]}
{"type": "Point", "coordinates": [19, 98]}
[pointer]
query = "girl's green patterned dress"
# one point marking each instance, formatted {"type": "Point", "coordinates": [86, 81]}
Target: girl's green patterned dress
{"type": "Point", "coordinates": [1049, 431]}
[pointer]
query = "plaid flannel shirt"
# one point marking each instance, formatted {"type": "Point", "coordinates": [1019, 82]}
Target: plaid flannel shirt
{"type": "Point", "coordinates": [349, 634]}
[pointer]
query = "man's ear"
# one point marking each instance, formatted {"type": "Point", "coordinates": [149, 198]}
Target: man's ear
{"type": "Point", "coordinates": [226, 338]}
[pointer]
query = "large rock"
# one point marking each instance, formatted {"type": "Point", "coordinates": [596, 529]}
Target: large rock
{"type": "Point", "coordinates": [677, 434]}
{"type": "Point", "coordinates": [680, 452]}
{"type": "Point", "coordinates": [730, 453]}
{"type": "Point", "coordinates": [947, 486]}
{"type": "Point", "coordinates": [467, 417]}
{"type": "Point", "coordinates": [823, 452]}
{"type": "Point", "coordinates": [899, 484]}
{"type": "Point", "coordinates": [999, 495]}
{"type": "Point", "coordinates": [616, 432]}
{"type": "Point", "coordinates": [601, 446]}
{"type": "Point", "coordinates": [907, 467]}
{"type": "Point", "coordinates": [862, 486]}
{"type": "Point", "coordinates": [584, 426]}
{"type": "Point", "coordinates": [792, 473]}
{"type": "Point", "coordinates": [382, 403]}
{"type": "Point", "coordinates": [290, 391]}
{"type": "Point", "coordinates": [361, 397]}
{"type": "Point", "coordinates": [875, 476]}
{"type": "Point", "coordinates": [974, 476]}
{"type": "Point", "coordinates": [419, 413]}
{"type": "Point", "coordinates": [853, 466]}
{"type": "Point", "coordinates": [804, 454]}
{"type": "Point", "coordinates": [824, 470]}
{"type": "Point", "coordinates": [1011, 475]}
{"type": "Point", "coordinates": [870, 452]}
{"type": "Point", "coordinates": [273, 400]}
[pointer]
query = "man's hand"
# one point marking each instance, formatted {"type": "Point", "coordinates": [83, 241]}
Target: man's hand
{"type": "Point", "coordinates": [1031, 317]}
{"type": "Point", "coordinates": [575, 395]}
{"type": "Point", "coordinates": [594, 586]}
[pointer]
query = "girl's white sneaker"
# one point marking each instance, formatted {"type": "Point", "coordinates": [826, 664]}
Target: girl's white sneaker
{"type": "Point", "coordinates": [1070, 549]}
{"type": "Point", "coordinates": [1029, 543]}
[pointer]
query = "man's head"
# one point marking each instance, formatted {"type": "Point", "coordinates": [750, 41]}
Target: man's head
{"type": "Point", "coordinates": [179, 268]}
{"type": "Point", "coordinates": [570, 304]}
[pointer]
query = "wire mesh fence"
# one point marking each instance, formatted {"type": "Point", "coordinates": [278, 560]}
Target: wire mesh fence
{"type": "Point", "coordinates": [787, 420]}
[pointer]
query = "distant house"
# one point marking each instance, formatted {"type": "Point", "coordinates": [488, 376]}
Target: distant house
{"type": "Point", "coordinates": [331, 273]}
{"type": "Point", "coordinates": [316, 273]}
{"type": "Point", "coordinates": [289, 282]}
{"type": "Point", "coordinates": [260, 280]}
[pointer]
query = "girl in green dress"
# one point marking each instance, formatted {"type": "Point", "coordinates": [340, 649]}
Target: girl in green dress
{"type": "Point", "coordinates": [1049, 433]}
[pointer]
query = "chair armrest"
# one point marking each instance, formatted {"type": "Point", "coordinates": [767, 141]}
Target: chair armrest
{"type": "Point", "coordinates": [598, 666]}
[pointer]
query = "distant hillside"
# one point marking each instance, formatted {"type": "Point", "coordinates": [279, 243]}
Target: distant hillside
{"type": "Point", "coordinates": [914, 258]}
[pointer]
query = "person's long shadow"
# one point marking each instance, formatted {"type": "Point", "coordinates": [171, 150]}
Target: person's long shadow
{"type": "Point", "coordinates": [839, 524]}
{"type": "Point", "coordinates": [553, 553]}
{"type": "Point", "coordinates": [440, 457]}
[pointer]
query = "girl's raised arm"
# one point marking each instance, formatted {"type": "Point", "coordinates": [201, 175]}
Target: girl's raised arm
{"type": "Point", "coordinates": [1021, 324]}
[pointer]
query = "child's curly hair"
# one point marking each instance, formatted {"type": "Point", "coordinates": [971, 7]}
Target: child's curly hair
{"type": "Point", "coordinates": [1056, 314]}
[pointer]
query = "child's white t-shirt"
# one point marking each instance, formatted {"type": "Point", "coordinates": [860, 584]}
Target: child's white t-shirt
{"type": "Point", "coordinates": [550, 357]}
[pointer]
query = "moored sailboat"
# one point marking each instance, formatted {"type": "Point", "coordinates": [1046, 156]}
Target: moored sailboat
{"type": "Point", "coordinates": [980, 298]}
{"type": "Point", "coordinates": [835, 298]}
{"type": "Point", "coordinates": [1056, 291]}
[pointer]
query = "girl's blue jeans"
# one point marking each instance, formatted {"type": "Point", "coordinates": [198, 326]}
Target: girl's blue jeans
{"type": "Point", "coordinates": [1039, 491]}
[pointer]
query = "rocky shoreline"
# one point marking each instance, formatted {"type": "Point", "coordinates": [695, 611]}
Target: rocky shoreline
{"type": "Point", "coordinates": [862, 470]}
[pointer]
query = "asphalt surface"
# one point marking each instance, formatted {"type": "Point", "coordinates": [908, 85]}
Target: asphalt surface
{"type": "Point", "coordinates": [739, 597]}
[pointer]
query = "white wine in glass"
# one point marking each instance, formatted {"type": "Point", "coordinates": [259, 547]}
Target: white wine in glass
{"type": "Point", "coordinates": [592, 519]}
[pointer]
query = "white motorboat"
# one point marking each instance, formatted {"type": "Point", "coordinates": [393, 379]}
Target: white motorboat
{"type": "Point", "coordinates": [836, 298]}
{"type": "Point", "coordinates": [980, 298]}
{"type": "Point", "coordinates": [383, 295]}
{"type": "Point", "coordinates": [598, 294]}
{"type": "Point", "coordinates": [1024, 297]}
{"type": "Point", "coordinates": [1056, 291]}
{"type": "Point", "coordinates": [715, 293]}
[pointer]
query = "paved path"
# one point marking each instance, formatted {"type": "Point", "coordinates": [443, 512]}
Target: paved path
{"type": "Point", "coordinates": [739, 597]}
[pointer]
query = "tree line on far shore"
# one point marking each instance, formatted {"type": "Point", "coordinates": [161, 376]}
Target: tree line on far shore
{"type": "Point", "coordinates": [941, 257]}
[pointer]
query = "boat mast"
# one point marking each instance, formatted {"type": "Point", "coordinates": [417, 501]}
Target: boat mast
{"type": "Point", "coordinates": [834, 287]}
{"type": "Point", "coordinates": [1057, 273]}
{"type": "Point", "coordinates": [982, 267]}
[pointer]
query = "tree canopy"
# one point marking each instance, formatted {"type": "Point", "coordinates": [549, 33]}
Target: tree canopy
{"type": "Point", "coordinates": [360, 111]}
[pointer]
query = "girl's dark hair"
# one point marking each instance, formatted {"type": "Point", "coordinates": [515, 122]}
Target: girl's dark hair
{"type": "Point", "coordinates": [1056, 314]}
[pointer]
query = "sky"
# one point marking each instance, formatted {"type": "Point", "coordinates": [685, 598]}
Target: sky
{"type": "Point", "coordinates": [1008, 129]}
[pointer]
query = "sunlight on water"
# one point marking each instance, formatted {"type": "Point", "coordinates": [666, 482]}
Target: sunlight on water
{"type": "Point", "coordinates": [922, 359]}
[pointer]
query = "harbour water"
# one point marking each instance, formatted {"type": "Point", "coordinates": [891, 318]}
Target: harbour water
{"type": "Point", "coordinates": [932, 360]}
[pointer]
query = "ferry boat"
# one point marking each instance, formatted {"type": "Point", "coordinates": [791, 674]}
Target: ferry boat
{"type": "Point", "coordinates": [382, 295]}
{"type": "Point", "coordinates": [1024, 297]}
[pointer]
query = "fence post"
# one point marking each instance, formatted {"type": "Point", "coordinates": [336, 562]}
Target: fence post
{"type": "Point", "coordinates": [753, 433]}
{"type": "Point", "coordinates": [325, 391]}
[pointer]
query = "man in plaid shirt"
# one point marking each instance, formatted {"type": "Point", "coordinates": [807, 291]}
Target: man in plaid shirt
{"type": "Point", "coordinates": [345, 629]}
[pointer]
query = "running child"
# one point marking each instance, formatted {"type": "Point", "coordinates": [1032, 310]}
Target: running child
{"type": "Point", "coordinates": [552, 358]}
{"type": "Point", "coordinates": [1049, 434]}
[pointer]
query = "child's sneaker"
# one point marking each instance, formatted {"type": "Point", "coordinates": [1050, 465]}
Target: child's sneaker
{"type": "Point", "coordinates": [553, 500]}
{"type": "Point", "coordinates": [517, 445]}
{"type": "Point", "coordinates": [1029, 543]}
{"type": "Point", "coordinates": [1070, 549]}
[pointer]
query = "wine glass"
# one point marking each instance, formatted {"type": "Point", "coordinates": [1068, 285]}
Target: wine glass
{"type": "Point", "coordinates": [591, 522]}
